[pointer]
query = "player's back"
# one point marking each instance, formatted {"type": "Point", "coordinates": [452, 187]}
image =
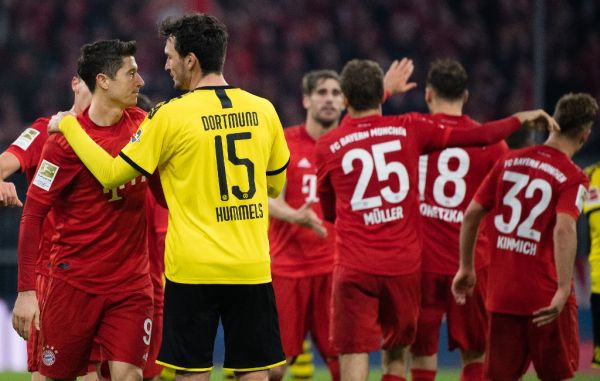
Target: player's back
{"type": "Point", "coordinates": [524, 193]}
{"type": "Point", "coordinates": [372, 165]}
{"type": "Point", "coordinates": [448, 180]}
{"type": "Point", "coordinates": [222, 145]}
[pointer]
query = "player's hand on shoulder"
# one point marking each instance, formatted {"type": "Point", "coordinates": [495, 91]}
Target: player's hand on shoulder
{"type": "Point", "coordinates": [538, 119]}
{"type": "Point", "coordinates": [547, 314]}
{"type": "Point", "coordinates": [463, 284]}
{"type": "Point", "coordinates": [306, 217]}
{"type": "Point", "coordinates": [56, 119]}
{"type": "Point", "coordinates": [396, 78]}
{"type": "Point", "coordinates": [25, 311]}
{"type": "Point", "coordinates": [8, 195]}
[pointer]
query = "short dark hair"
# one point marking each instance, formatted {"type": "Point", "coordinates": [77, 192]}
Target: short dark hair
{"type": "Point", "coordinates": [575, 112]}
{"type": "Point", "coordinates": [362, 84]}
{"type": "Point", "coordinates": [448, 78]}
{"type": "Point", "coordinates": [104, 56]}
{"type": "Point", "coordinates": [312, 79]}
{"type": "Point", "coordinates": [201, 34]}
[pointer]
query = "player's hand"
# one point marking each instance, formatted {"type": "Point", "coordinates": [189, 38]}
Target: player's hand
{"type": "Point", "coordinates": [547, 314]}
{"type": "Point", "coordinates": [307, 217]}
{"type": "Point", "coordinates": [26, 310]}
{"type": "Point", "coordinates": [538, 119]}
{"type": "Point", "coordinates": [55, 121]}
{"type": "Point", "coordinates": [463, 285]}
{"type": "Point", "coordinates": [396, 78]}
{"type": "Point", "coordinates": [8, 195]}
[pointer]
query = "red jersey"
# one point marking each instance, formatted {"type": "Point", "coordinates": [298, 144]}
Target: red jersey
{"type": "Point", "coordinates": [370, 166]}
{"type": "Point", "coordinates": [100, 239]}
{"type": "Point", "coordinates": [157, 217]}
{"type": "Point", "coordinates": [523, 194]}
{"type": "Point", "coordinates": [297, 251]}
{"type": "Point", "coordinates": [448, 180]}
{"type": "Point", "coordinates": [27, 148]}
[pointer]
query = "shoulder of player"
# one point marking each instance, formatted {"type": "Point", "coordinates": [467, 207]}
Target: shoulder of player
{"type": "Point", "coordinates": [135, 113]}
{"type": "Point", "coordinates": [292, 132]}
{"type": "Point", "coordinates": [166, 105]}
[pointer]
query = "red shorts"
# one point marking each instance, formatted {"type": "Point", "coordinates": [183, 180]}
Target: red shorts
{"type": "Point", "coordinates": [514, 341]}
{"type": "Point", "coordinates": [152, 368]}
{"type": "Point", "coordinates": [304, 305]}
{"type": "Point", "coordinates": [367, 307]}
{"type": "Point", "coordinates": [467, 324]}
{"type": "Point", "coordinates": [33, 353]}
{"type": "Point", "coordinates": [72, 320]}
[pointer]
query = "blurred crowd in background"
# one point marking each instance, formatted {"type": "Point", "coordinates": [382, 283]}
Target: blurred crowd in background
{"type": "Point", "coordinates": [274, 42]}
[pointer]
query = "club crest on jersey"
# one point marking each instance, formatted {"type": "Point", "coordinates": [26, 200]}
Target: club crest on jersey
{"type": "Point", "coordinates": [45, 175]}
{"type": "Point", "coordinates": [136, 137]}
{"type": "Point", "coordinates": [26, 138]}
{"type": "Point", "coordinates": [49, 355]}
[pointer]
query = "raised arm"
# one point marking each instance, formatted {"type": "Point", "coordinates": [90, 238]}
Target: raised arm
{"type": "Point", "coordinates": [9, 164]}
{"type": "Point", "coordinates": [303, 216]}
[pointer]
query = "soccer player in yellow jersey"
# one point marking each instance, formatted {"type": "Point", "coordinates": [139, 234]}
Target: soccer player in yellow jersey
{"type": "Point", "coordinates": [591, 208]}
{"type": "Point", "coordinates": [220, 152]}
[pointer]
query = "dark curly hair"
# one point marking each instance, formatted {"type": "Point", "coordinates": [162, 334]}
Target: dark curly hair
{"type": "Point", "coordinates": [448, 78]}
{"type": "Point", "coordinates": [201, 34]}
{"type": "Point", "coordinates": [362, 84]}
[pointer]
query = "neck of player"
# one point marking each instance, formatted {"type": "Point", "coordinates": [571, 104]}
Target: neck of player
{"type": "Point", "coordinates": [315, 129]}
{"type": "Point", "coordinates": [211, 79]}
{"type": "Point", "coordinates": [563, 144]}
{"type": "Point", "coordinates": [364, 113]}
{"type": "Point", "coordinates": [104, 112]}
{"type": "Point", "coordinates": [448, 108]}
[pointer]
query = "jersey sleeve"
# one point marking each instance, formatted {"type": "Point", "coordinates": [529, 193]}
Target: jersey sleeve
{"type": "Point", "coordinates": [486, 193]}
{"type": "Point", "coordinates": [27, 148]}
{"type": "Point", "coordinates": [58, 167]}
{"type": "Point", "coordinates": [592, 201]}
{"type": "Point", "coordinates": [572, 197]}
{"type": "Point", "coordinates": [324, 186]}
{"type": "Point", "coordinates": [280, 153]}
{"type": "Point", "coordinates": [110, 172]}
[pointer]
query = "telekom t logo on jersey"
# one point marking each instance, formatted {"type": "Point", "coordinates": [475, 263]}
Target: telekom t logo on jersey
{"type": "Point", "coordinates": [114, 192]}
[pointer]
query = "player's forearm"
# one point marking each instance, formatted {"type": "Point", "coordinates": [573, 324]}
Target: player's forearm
{"type": "Point", "coordinates": [281, 210]}
{"type": "Point", "coordinates": [9, 164]}
{"type": "Point", "coordinates": [485, 134]}
{"type": "Point", "coordinates": [30, 236]}
{"type": "Point", "coordinates": [468, 234]}
{"type": "Point", "coordinates": [565, 248]}
{"type": "Point", "coordinates": [110, 171]}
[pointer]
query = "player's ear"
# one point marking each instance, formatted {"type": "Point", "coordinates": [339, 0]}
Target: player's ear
{"type": "Point", "coordinates": [465, 96]}
{"type": "Point", "coordinates": [306, 101]}
{"type": "Point", "coordinates": [102, 81]}
{"type": "Point", "coordinates": [190, 60]}
{"type": "Point", "coordinates": [345, 102]}
{"type": "Point", "coordinates": [74, 82]}
{"type": "Point", "coordinates": [428, 95]}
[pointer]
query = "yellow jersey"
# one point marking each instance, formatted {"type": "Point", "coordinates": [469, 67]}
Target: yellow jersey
{"type": "Point", "coordinates": [591, 207]}
{"type": "Point", "coordinates": [215, 149]}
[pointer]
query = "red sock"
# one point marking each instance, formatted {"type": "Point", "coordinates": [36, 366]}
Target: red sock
{"type": "Point", "coordinates": [334, 368]}
{"type": "Point", "coordinates": [422, 374]}
{"type": "Point", "coordinates": [472, 372]}
{"type": "Point", "coordinates": [391, 377]}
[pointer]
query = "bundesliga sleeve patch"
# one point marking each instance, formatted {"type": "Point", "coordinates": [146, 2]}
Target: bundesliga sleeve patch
{"type": "Point", "coordinates": [581, 197]}
{"type": "Point", "coordinates": [136, 137]}
{"type": "Point", "coordinates": [45, 175]}
{"type": "Point", "coordinates": [26, 138]}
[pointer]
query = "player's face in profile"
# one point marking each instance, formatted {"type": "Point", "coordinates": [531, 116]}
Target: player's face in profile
{"type": "Point", "coordinates": [325, 103]}
{"type": "Point", "coordinates": [125, 87]}
{"type": "Point", "coordinates": [175, 66]}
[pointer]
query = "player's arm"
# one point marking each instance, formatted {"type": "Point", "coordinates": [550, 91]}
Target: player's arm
{"type": "Point", "coordinates": [303, 216]}
{"type": "Point", "coordinates": [276, 182]}
{"type": "Point", "coordinates": [565, 248]}
{"type": "Point", "coordinates": [464, 280]}
{"type": "Point", "coordinates": [491, 132]}
{"type": "Point", "coordinates": [9, 164]}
